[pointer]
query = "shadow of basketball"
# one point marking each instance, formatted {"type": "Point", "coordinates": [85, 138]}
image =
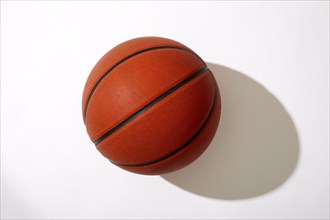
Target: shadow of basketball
{"type": "Point", "coordinates": [255, 149]}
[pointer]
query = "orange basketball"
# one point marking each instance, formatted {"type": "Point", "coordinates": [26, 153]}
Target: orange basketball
{"type": "Point", "coordinates": [151, 105]}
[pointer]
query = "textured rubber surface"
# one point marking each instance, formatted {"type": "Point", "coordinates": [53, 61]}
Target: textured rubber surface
{"type": "Point", "coordinates": [134, 83]}
{"type": "Point", "coordinates": [188, 154]}
{"type": "Point", "coordinates": [177, 118]}
{"type": "Point", "coordinates": [151, 106]}
{"type": "Point", "coordinates": [120, 52]}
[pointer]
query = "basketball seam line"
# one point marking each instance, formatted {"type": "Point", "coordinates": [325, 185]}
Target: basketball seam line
{"type": "Point", "coordinates": [150, 104]}
{"type": "Point", "coordinates": [185, 144]}
{"type": "Point", "coordinates": [123, 60]}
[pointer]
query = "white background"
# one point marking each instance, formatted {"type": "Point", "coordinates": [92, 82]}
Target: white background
{"type": "Point", "coordinates": [50, 168]}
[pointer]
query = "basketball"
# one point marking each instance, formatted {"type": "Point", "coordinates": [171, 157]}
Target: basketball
{"type": "Point", "coordinates": [151, 105]}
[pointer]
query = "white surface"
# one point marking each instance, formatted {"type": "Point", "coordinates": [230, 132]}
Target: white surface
{"type": "Point", "coordinates": [49, 167]}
